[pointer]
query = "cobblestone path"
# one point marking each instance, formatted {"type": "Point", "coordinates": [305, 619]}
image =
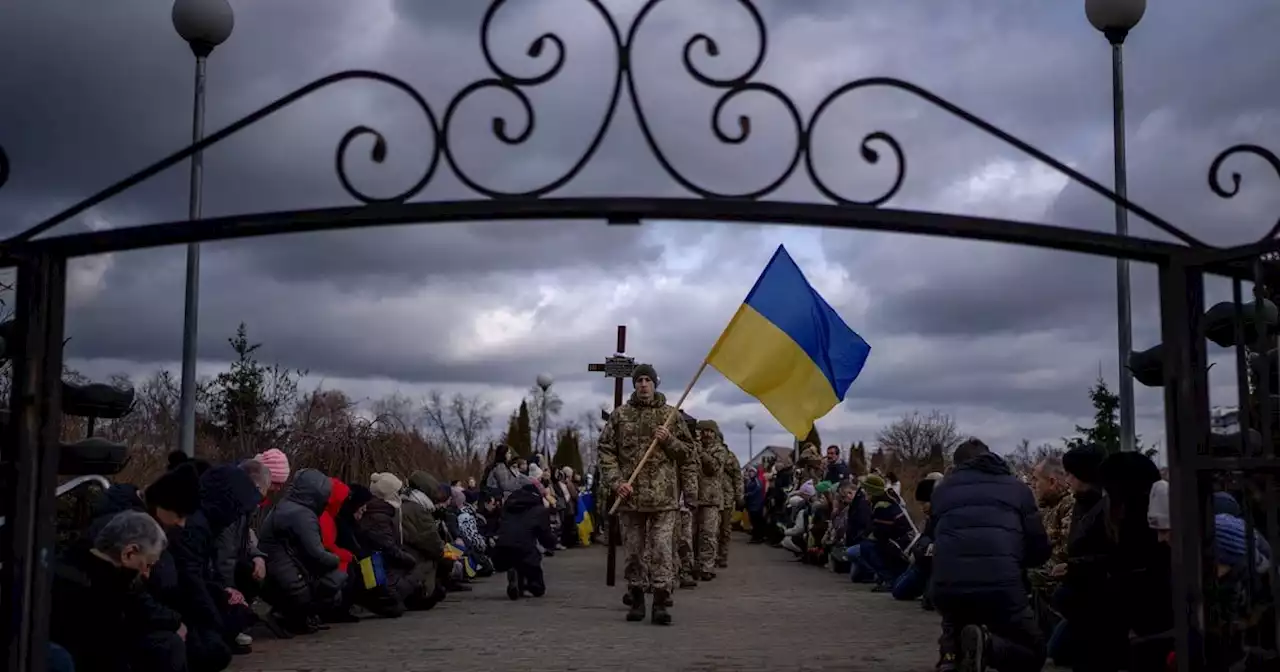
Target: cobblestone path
{"type": "Point", "coordinates": [764, 613]}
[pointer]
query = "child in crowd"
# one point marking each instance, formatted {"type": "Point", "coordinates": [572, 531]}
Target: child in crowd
{"type": "Point", "coordinates": [525, 522]}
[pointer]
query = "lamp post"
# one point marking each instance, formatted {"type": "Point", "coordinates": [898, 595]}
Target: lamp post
{"type": "Point", "coordinates": [204, 24]}
{"type": "Point", "coordinates": [1115, 18]}
{"type": "Point", "coordinates": [544, 381]}
{"type": "Point", "coordinates": [751, 452]}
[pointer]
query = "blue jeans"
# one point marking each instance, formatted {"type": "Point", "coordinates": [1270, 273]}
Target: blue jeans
{"type": "Point", "coordinates": [871, 555]}
{"type": "Point", "coordinates": [910, 584]}
{"type": "Point", "coordinates": [859, 570]}
{"type": "Point", "coordinates": [1060, 645]}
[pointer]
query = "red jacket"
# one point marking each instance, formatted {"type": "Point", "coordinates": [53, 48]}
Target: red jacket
{"type": "Point", "coordinates": [329, 522]}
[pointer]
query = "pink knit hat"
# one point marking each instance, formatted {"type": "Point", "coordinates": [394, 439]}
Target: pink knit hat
{"type": "Point", "coordinates": [277, 463]}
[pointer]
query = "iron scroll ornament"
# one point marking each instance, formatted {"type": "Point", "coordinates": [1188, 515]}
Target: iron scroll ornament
{"type": "Point", "coordinates": [871, 147]}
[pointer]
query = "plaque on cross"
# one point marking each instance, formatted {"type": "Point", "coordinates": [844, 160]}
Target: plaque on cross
{"type": "Point", "coordinates": [617, 366]}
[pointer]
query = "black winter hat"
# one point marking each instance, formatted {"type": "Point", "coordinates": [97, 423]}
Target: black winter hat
{"type": "Point", "coordinates": [1084, 462]}
{"type": "Point", "coordinates": [644, 370]}
{"type": "Point", "coordinates": [924, 490]}
{"type": "Point", "coordinates": [177, 490]}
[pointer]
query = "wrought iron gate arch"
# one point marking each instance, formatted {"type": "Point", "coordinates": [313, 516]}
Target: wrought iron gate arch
{"type": "Point", "coordinates": [31, 454]}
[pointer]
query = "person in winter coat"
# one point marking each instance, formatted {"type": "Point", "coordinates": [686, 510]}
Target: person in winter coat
{"type": "Point", "coordinates": [239, 563]}
{"type": "Point", "coordinates": [890, 534]}
{"type": "Point", "coordinates": [340, 492]}
{"type": "Point", "coordinates": [303, 579]}
{"type": "Point", "coordinates": [422, 538]}
{"type": "Point", "coordinates": [380, 532]}
{"type": "Point", "coordinates": [987, 533]}
{"type": "Point", "coordinates": [857, 529]}
{"type": "Point", "coordinates": [502, 478]}
{"type": "Point", "coordinates": [1088, 544]}
{"type": "Point", "coordinates": [526, 522]}
{"type": "Point", "coordinates": [913, 582]}
{"type": "Point", "coordinates": [213, 612]}
{"type": "Point", "coordinates": [753, 497]}
{"type": "Point", "coordinates": [99, 606]}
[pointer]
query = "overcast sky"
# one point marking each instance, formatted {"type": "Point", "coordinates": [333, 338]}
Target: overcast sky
{"type": "Point", "coordinates": [1006, 339]}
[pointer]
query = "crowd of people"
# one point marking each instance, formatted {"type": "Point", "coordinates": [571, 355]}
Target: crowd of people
{"type": "Point", "coordinates": [176, 575]}
{"type": "Point", "coordinates": [1069, 562]}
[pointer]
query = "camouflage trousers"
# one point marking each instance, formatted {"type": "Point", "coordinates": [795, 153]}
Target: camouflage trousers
{"type": "Point", "coordinates": [682, 545]}
{"type": "Point", "coordinates": [646, 541]}
{"type": "Point", "coordinates": [708, 538]}
{"type": "Point", "coordinates": [722, 540]}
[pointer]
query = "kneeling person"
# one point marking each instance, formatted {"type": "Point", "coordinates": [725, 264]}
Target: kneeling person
{"type": "Point", "coordinates": [526, 522]}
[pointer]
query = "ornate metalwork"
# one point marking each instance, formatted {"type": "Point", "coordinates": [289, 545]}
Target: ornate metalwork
{"type": "Point", "coordinates": [514, 131]}
{"type": "Point", "coordinates": [1215, 175]}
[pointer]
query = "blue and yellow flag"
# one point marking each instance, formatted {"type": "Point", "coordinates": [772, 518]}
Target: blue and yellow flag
{"type": "Point", "coordinates": [372, 571]}
{"type": "Point", "coordinates": [787, 347]}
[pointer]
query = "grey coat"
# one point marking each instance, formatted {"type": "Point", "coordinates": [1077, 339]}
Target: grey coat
{"type": "Point", "coordinates": [236, 543]}
{"type": "Point", "coordinates": [290, 537]}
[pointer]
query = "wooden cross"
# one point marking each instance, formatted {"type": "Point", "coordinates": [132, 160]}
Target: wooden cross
{"type": "Point", "coordinates": [618, 367]}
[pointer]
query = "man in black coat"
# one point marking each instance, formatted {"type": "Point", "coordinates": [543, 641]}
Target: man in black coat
{"type": "Point", "coordinates": [987, 533]}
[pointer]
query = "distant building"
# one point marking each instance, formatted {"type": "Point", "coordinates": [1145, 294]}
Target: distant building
{"type": "Point", "coordinates": [780, 452]}
{"type": "Point", "coordinates": [1224, 419]}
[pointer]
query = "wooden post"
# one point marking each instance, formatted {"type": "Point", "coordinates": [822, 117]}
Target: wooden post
{"type": "Point", "coordinates": [618, 367]}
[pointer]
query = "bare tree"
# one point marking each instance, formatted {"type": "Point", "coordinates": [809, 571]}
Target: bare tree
{"type": "Point", "coordinates": [460, 424]}
{"type": "Point", "coordinates": [914, 437]}
{"type": "Point", "coordinates": [591, 425]}
{"type": "Point", "coordinates": [1024, 458]}
{"type": "Point", "coordinates": [539, 400]}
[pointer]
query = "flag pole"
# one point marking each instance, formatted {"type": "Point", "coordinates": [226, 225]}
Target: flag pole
{"type": "Point", "coordinates": [670, 416]}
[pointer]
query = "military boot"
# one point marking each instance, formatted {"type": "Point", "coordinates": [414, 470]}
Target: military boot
{"type": "Point", "coordinates": [636, 612]}
{"type": "Point", "coordinates": [687, 581]}
{"type": "Point", "coordinates": [659, 614]}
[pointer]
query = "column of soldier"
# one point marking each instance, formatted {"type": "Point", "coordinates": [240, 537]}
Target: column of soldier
{"type": "Point", "coordinates": [674, 513]}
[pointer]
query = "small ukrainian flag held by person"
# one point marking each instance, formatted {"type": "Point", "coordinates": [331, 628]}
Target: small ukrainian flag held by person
{"type": "Point", "coordinates": [788, 348]}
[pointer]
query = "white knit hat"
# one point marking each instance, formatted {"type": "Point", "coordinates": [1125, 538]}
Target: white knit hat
{"type": "Point", "coordinates": [1158, 507]}
{"type": "Point", "coordinates": [386, 486]}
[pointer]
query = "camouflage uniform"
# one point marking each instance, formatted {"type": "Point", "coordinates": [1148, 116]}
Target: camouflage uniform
{"type": "Point", "coordinates": [711, 490]}
{"type": "Point", "coordinates": [732, 493]}
{"type": "Point", "coordinates": [810, 466]}
{"type": "Point", "coordinates": [649, 514]}
{"type": "Point", "coordinates": [682, 539]}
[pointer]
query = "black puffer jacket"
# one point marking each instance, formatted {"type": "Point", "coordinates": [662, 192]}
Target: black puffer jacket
{"type": "Point", "coordinates": [153, 605]}
{"type": "Point", "coordinates": [525, 522]}
{"type": "Point", "coordinates": [380, 532]}
{"type": "Point", "coordinates": [290, 537]}
{"type": "Point", "coordinates": [987, 531]}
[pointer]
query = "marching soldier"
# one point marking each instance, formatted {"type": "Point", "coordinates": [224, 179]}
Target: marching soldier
{"type": "Point", "coordinates": [648, 509]}
{"type": "Point", "coordinates": [710, 499]}
{"type": "Point", "coordinates": [689, 498]}
{"type": "Point", "coordinates": [732, 493]}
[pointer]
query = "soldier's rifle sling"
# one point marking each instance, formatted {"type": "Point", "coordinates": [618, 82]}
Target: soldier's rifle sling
{"type": "Point", "coordinates": [675, 410]}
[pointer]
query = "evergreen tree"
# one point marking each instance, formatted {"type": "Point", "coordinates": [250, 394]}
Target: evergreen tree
{"type": "Point", "coordinates": [1105, 431]}
{"type": "Point", "coordinates": [813, 437]}
{"type": "Point", "coordinates": [522, 443]}
{"type": "Point", "coordinates": [513, 429]}
{"type": "Point", "coordinates": [568, 450]}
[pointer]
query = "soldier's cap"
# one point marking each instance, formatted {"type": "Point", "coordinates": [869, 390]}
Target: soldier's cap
{"type": "Point", "coordinates": [709, 424]}
{"type": "Point", "coordinates": [646, 370]}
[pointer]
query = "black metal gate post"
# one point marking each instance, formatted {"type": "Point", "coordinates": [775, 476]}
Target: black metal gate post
{"type": "Point", "coordinates": [30, 459]}
{"type": "Point", "coordinates": [1186, 430]}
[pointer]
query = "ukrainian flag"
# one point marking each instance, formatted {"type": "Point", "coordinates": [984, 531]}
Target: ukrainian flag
{"type": "Point", "coordinates": [787, 347]}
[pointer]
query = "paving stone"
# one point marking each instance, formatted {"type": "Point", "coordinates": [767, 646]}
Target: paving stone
{"type": "Point", "coordinates": [764, 613]}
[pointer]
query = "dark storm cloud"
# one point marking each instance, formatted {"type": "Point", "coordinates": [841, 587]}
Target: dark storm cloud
{"type": "Point", "coordinates": [1015, 331]}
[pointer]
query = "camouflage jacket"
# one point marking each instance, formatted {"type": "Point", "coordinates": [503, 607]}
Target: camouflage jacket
{"type": "Point", "coordinates": [710, 476]}
{"type": "Point", "coordinates": [625, 438]}
{"type": "Point", "coordinates": [1057, 522]}
{"type": "Point", "coordinates": [810, 465]}
{"type": "Point", "coordinates": [687, 468]}
{"type": "Point", "coordinates": [731, 476]}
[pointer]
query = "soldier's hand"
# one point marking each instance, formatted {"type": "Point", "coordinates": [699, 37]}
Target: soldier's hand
{"type": "Point", "coordinates": [1058, 570]}
{"type": "Point", "coordinates": [662, 434]}
{"type": "Point", "coordinates": [624, 490]}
